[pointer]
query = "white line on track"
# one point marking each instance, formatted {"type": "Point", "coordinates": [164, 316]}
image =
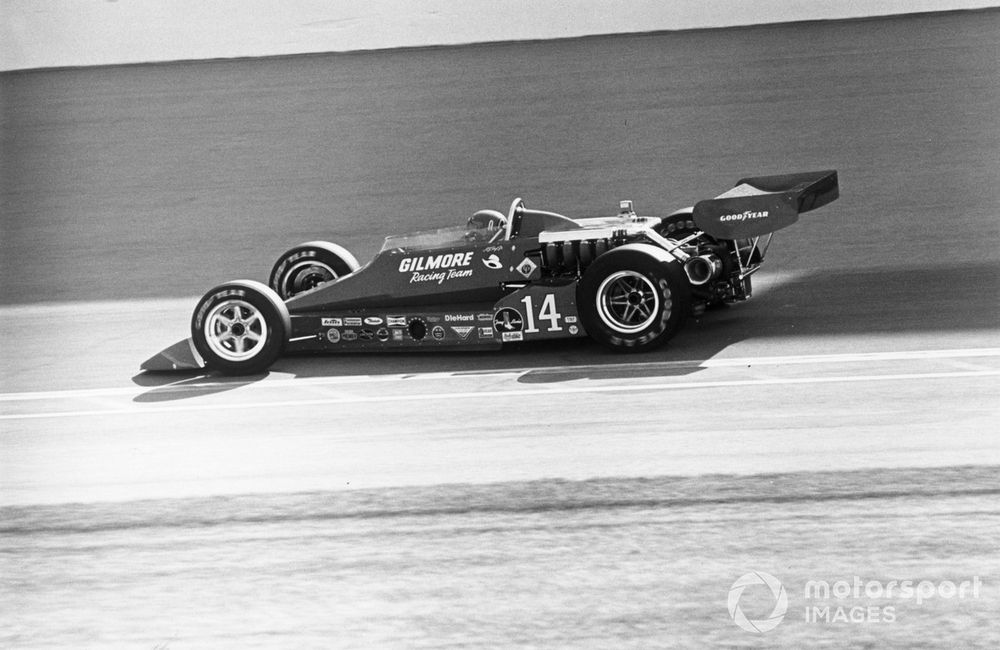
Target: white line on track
{"type": "Point", "coordinates": [637, 368]}
{"type": "Point", "coordinates": [494, 394]}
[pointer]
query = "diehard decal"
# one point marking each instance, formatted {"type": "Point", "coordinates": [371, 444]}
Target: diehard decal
{"type": "Point", "coordinates": [396, 321]}
{"type": "Point", "coordinates": [508, 319]}
{"type": "Point", "coordinates": [373, 320]}
{"type": "Point", "coordinates": [349, 335]}
{"type": "Point", "coordinates": [526, 268]}
{"type": "Point", "coordinates": [463, 331]}
{"type": "Point", "coordinates": [352, 322]}
{"type": "Point", "coordinates": [382, 334]}
{"type": "Point", "coordinates": [458, 318]}
{"type": "Point", "coordinates": [333, 336]}
{"type": "Point", "coordinates": [485, 332]}
{"type": "Point", "coordinates": [437, 332]}
{"type": "Point", "coordinates": [332, 322]}
{"type": "Point", "coordinates": [508, 337]}
{"type": "Point", "coordinates": [492, 262]}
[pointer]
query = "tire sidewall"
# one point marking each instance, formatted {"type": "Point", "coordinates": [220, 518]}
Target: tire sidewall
{"type": "Point", "coordinates": [666, 277]}
{"type": "Point", "coordinates": [317, 252]}
{"type": "Point", "coordinates": [272, 313]}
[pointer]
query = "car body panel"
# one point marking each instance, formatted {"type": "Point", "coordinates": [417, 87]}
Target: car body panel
{"type": "Point", "coordinates": [516, 278]}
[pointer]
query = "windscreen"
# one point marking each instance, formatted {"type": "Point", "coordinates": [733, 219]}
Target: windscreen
{"type": "Point", "coordinates": [441, 238]}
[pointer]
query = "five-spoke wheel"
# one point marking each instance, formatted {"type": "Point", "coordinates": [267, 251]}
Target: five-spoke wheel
{"type": "Point", "coordinates": [240, 327]}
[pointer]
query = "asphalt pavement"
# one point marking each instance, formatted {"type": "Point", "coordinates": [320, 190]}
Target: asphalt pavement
{"type": "Point", "coordinates": [841, 424]}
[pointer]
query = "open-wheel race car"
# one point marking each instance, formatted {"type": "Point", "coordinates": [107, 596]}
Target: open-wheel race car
{"type": "Point", "coordinates": [627, 281]}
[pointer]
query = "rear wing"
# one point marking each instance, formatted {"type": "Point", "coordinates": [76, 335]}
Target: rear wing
{"type": "Point", "coordinates": [762, 204]}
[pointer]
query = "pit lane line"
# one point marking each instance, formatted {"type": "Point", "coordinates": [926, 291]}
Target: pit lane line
{"type": "Point", "coordinates": [533, 392]}
{"type": "Point", "coordinates": [638, 368]}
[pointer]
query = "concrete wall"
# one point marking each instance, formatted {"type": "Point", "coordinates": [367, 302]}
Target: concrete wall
{"type": "Point", "coordinates": [59, 33]}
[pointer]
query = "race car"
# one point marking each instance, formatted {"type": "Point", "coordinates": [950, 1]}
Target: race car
{"type": "Point", "coordinates": [626, 281]}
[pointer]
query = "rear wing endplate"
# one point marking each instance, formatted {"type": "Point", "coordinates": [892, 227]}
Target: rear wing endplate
{"type": "Point", "coordinates": [763, 204]}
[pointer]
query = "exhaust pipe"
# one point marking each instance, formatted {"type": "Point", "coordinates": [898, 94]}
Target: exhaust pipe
{"type": "Point", "coordinates": [702, 269]}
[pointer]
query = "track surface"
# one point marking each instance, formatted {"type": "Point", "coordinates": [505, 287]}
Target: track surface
{"type": "Point", "coordinates": [840, 424]}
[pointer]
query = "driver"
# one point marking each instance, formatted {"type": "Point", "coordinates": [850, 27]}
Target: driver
{"type": "Point", "coordinates": [485, 225]}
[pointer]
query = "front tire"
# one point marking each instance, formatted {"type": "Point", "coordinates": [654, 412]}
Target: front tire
{"type": "Point", "coordinates": [308, 266]}
{"type": "Point", "coordinates": [240, 327]}
{"type": "Point", "coordinates": [630, 301]}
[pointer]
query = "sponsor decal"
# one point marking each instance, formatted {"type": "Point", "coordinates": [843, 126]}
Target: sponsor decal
{"type": "Point", "coordinates": [431, 262]}
{"type": "Point", "coordinates": [397, 335]}
{"type": "Point", "coordinates": [485, 332]}
{"type": "Point", "coordinates": [746, 215]}
{"type": "Point", "coordinates": [437, 268]}
{"type": "Point", "coordinates": [366, 335]}
{"type": "Point", "coordinates": [373, 320]}
{"type": "Point", "coordinates": [493, 249]}
{"type": "Point", "coordinates": [526, 268]}
{"type": "Point", "coordinates": [508, 319]}
{"type": "Point", "coordinates": [437, 333]}
{"type": "Point", "coordinates": [574, 330]}
{"type": "Point", "coordinates": [508, 337]}
{"type": "Point", "coordinates": [352, 322]}
{"type": "Point", "coordinates": [349, 335]}
{"type": "Point", "coordinates": [332, 322]}
{"type": "Point", "coordinates": [441, 276]}
{"type": "Point", "coordinates": [382, 334]}
{"type": "Point", "coordinates": [396, 321]}
{"type": "Point", "coordinates": [417, 329]}
{"type": "Point", "coordinates": [333, 336]}
{"type": "Point", "coordinates": [463, 331]}
{"type": "Point", "coordinates": [432, 319]}
{"type": "Point", "coordinates": [458, 318]}
{"type": "Point", "coordinates": [486, 318]}
{"type": "Point", "coordinates": [492, 262]}
{"type": "Point", "coordinates": [571, 319]}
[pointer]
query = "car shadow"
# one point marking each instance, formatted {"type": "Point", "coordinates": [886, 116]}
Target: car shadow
{"type": "Point", "coordinates": [798, 304]}
{"type": "Point", "coordinates": [166, 386]}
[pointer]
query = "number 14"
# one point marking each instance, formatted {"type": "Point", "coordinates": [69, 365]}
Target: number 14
{"type": "Point", "coordinates": [547, 312]}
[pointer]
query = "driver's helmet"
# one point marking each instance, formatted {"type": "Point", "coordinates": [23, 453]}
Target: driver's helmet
{"type": "Point", "coordinates": [488, 220]}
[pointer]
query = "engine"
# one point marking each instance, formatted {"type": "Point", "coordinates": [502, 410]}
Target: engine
{"type": "Point", "coordinates": [572, 257]}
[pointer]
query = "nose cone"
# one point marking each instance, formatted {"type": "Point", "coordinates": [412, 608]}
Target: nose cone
{"type": "Point", "coordinates": [179, 356]}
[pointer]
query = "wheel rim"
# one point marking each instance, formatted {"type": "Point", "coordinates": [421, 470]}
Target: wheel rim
{"type": "Point", "coordinates": [628, 302]}
{"type": "Point", "coordinates": [306, 275]}
{"type": "Point", "coordinates": [235, 330]}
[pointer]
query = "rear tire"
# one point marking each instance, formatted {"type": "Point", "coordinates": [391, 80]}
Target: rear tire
{"type": "Point", "coordinates": [308, 266]}
{"type": "Point", "coordinates": [629, 301]}
{"type": "Point", "coordinates": [240, 327]}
